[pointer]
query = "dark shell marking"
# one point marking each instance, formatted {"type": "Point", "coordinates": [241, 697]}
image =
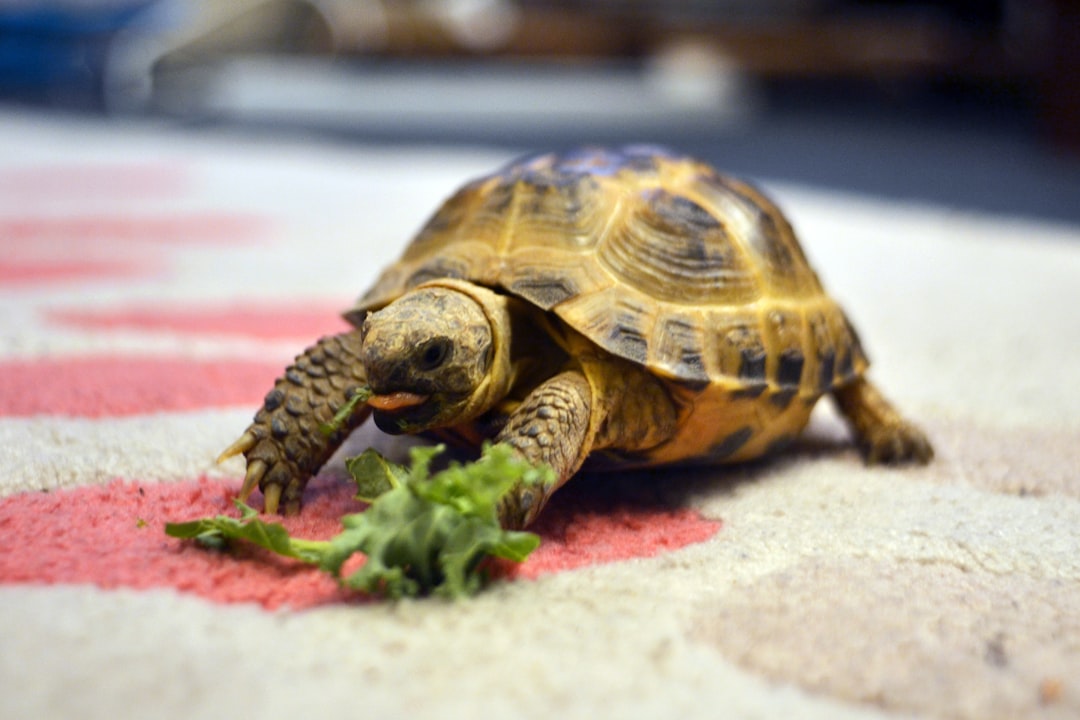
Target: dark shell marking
{"type": "Point", "coordinates": [731, 444]}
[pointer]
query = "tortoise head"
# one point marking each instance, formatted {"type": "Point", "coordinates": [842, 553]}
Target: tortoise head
{"type": "Point", "coordinates": [437, 356]}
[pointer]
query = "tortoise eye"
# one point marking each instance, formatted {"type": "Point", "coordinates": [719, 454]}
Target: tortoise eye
{"type": "Point", "coordinates": [434, 353]}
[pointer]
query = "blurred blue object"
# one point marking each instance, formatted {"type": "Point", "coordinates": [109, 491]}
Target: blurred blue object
{"type": "Point", "coordinates": [56, 51]}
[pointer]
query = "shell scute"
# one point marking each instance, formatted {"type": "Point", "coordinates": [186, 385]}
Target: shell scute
{"type": "Point", "coordinates": [546, 289]}
{"type": "Point", "coordinates": [441, 266]}
{"type": "Point", "coordinates": [549, 279]}
{"type": "Point", "coordinates": [740, 352]}
{"type": "Point", "coordinates": [789, 367]}
{"type": "Point", "coordinates": [763, 232]}
{"type": "Point", "coordinates": [784, 330]}
{"type": "Point", "coordinates": [627, 334]}
{"type": "Point", "coordinates": [676, 251]}
{"type": "Point", "coordinates": [677, 349]}
{"type": "Point", "coordinates": [615, 319]}
{"type": "Point", "coordinates": [558, 216]}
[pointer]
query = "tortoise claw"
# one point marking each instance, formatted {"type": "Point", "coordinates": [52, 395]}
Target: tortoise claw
{"type": "Point", "coordinates": [284, 499]}
{"type": "Point", "coordinates": [271, 499]}
{"type": "Point", "coordinates": [244, 443]}
{"type": "Point", "coordinates": [896, 444]}
{"type": "Point", "coordinates": [255, 473]}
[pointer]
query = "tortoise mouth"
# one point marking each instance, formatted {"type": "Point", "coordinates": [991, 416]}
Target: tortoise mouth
{"type": "Point", "coordinates": [398, 412]}
{"type": "Point", "coordinates": [395, 401]}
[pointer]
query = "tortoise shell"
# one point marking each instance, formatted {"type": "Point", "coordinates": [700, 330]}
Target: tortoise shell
{"type": "Point", "coordinates": [657, 259]}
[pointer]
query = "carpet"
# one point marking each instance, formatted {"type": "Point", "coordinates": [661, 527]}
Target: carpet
{"type": "Point", "coordinates": [154, 283]}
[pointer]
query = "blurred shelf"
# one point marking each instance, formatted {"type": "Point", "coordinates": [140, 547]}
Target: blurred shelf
{"type": "Point", "coordinates": [455, 98]}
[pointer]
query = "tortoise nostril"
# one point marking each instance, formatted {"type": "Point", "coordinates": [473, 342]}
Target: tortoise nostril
{"type": "Point", "coordinates": [385, 377]}
{"type": "Point", "coordinates": [399, 373]}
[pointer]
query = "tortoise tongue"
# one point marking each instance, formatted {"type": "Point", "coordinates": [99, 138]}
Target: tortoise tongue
{"type": "Point", "coordinates": [395, 400]}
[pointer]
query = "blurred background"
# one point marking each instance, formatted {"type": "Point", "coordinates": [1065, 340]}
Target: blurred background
{"type": "Point", "coordinates": [968, 103]}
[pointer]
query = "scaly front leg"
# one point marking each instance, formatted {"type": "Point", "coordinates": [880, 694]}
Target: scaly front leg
{"type": "Point", "coordinates": [290, 439]}
{"type": "Point", "coordinates": [552, 427]}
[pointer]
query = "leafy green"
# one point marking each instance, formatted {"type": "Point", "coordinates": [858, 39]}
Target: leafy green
{"type": "Point", "coordinates": [430, 533]}
{"type": "Point", "coordinates": [422, 534]}
{"type": "Point", "coordinates": [216, 532]}
{"type": "Point", "coordinates": [358, 398]}
{"type": "Point", "coordinates": [374, 474]}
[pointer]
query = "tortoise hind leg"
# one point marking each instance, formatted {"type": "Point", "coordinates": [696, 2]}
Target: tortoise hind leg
{"type": "Point", "coordinates": [883, 435]}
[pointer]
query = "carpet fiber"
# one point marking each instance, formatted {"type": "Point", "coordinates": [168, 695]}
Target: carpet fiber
{"type": "Point", "coordinates": [152, 286]}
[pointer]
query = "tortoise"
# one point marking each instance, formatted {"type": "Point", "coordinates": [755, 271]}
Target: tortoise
{"type": "Point", "coordinates": [629, 306]}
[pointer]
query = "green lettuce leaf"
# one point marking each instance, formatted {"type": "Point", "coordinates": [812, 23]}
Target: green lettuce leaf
{"type": "Point", "coordinates": [216, 532]}
{"type": "Point", "coordinates": [374, 474]}
{"type": "Point", "coordinates": [359, 397]}
{"type": "Point", "coordinates": [422, 534]}
{"type": "Point", "coordinates": [431, 533]}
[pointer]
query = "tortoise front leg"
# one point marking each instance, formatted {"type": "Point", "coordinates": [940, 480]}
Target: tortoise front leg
{"type": "Point", "coordinates": [288, 441]}
{"type": "Point", "coordinates": [883, 435]}
{"type": "Point", "coordinates": [552, 427]}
